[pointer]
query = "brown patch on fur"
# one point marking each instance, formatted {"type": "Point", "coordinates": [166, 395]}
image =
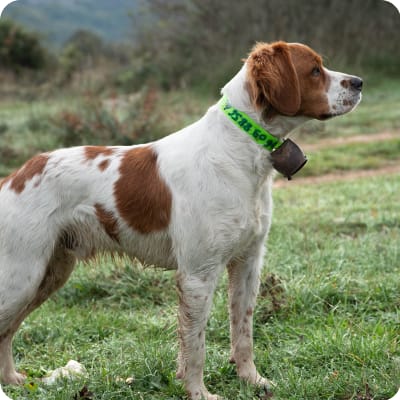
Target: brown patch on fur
{"type": "Point", "coordinates": [272, 78]}
{"type": "Point", "coordinates": [313, 89]}
{"type": "Point", "coordinates": [281, 80]}
{"type": "Point", "coordinates": [91, 152]}
{"type": "Point", "coordinates": [345, 83]}
{"type": "Point", "coordinates": [31, 168]}
{"type": "Point", "coordinates": [108, 221]}
{"type": "Point", "coordinates": [104, 165]}
{"type": "Point", "coordinates": [143, 199]}
{"type": "Point", "coordinates": [3, 182]}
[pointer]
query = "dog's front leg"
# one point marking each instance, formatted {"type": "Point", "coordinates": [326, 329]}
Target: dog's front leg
{"type": "Point", "coordinates": [195, 300]}
{"type": "Point", "coordinates": [8, 374]}
{"type": "Point", "coordinates": [244, 282]}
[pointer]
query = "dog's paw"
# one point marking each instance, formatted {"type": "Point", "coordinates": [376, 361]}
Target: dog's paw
{"type": "Point", "coordinates": [251, 376]}
{"type": "Point", "coordinates": [264, 383]}
{"type": "Point", "coordinates": [206, 396]}
{"type": "Point", "coordinates": [202, 394]}
{"type": "Point", "coordinates": [214, 397]}
{"type": "Point", "coordinates": [13, 378]}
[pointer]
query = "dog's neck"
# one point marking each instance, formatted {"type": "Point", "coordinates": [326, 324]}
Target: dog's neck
{"type": "Point", "coordinates": [237, 92]}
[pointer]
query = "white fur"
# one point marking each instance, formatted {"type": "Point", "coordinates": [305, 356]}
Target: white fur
{"type": "Point", "coordinates": [220, 182]}
{"type": "Point", "coordinates": [341, 99]}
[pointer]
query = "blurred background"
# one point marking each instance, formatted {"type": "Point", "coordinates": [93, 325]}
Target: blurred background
{"type": "Point", "coordinates": [76, 72]}
{"type": "Point", "coordinates": [129, 71]}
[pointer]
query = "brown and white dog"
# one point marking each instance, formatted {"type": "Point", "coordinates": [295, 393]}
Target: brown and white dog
{"type": "Point", "coordinates": [198, 201]}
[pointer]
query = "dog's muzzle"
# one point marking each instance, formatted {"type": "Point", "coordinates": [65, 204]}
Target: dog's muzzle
{"type": "Point", "coordinates": [288, 158]}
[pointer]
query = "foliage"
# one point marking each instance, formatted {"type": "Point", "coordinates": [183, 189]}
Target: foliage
{"type": "Point", "coordinates": [97, 121]}
{"type": "Point", "coordinates": [85, 54]}
{"type": "Point", "coordinates": [20, 49]}
{"type": "Point", "coordinates": [181, 39]}
{"type": "Point", "coordinates": [82, 50]}
{"type": "Point", "coordinates": [177, 41]}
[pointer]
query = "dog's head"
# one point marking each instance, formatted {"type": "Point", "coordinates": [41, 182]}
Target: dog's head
{"type": "Point", "coordinates": [289, 79]}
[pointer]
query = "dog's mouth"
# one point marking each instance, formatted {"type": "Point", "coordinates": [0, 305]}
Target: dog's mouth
{"type": "Point", "coordinates": [351, 103]}
{"type": "Point", "coordinates": [342, 106]}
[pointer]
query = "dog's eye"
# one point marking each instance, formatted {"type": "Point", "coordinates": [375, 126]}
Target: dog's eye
{"type": "Point", "coordinates": [316, 71]}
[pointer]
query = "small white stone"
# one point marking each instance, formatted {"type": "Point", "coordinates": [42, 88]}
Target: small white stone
{"type": "Point", "coordinates": [71, 370]}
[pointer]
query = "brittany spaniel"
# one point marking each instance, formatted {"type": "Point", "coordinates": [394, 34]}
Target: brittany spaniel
{"type": "Point", "coordinates": [198, 201]}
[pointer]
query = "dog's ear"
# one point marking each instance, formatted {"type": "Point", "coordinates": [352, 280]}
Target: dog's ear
{"type": "Point", "coordinates": [272, 79]}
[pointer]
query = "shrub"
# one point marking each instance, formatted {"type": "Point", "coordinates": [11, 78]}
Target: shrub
{"type": "Point", "coordinates": [116, 121]}
{"type": "Point", "coordinates": [80, 51]}
{"type": "Point", "coordinates": [20, 49]}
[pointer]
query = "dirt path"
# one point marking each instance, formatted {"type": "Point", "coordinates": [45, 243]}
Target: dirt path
{"type": "Point", "coordinates": [338, 177]}
{"type": "Point", "coordinates": [340, 141]}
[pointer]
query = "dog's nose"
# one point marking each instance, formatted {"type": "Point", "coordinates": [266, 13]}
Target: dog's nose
{"type": "Point", "coordinates": [356, 83]}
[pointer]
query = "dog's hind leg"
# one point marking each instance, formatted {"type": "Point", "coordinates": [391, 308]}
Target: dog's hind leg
{"type": "Point", "coordinates": [57, 273]}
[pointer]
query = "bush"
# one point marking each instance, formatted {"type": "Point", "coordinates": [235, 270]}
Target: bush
{"type": "Point", "coordinates": [20, 49]}
{"type": "Point", "coordinates": [80, 51]}
{"type": "Point", "coordinates": [86, 58]}
{"type": "Point", "coordinates": [98, 122]}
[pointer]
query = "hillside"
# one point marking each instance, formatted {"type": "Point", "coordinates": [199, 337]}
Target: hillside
{"type": "Point", "coordinates": [57, 20]}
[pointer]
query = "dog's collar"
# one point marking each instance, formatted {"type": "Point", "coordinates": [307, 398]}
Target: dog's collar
{"type": "Point", "coordinates": [286, 157]}
{"type": "Point", "coordinates": [260, 135]}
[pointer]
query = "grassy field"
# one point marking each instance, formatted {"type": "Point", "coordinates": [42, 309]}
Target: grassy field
{"type": "Point", "coordinates": [327, 324]}
{"type": "Point", "coordinates": [326, 327]}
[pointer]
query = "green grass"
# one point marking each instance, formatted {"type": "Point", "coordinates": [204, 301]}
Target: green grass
{"type": "Point", "coordinates": [353, 157]}
{"type": "Point", "coordinates": [329, 328]}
